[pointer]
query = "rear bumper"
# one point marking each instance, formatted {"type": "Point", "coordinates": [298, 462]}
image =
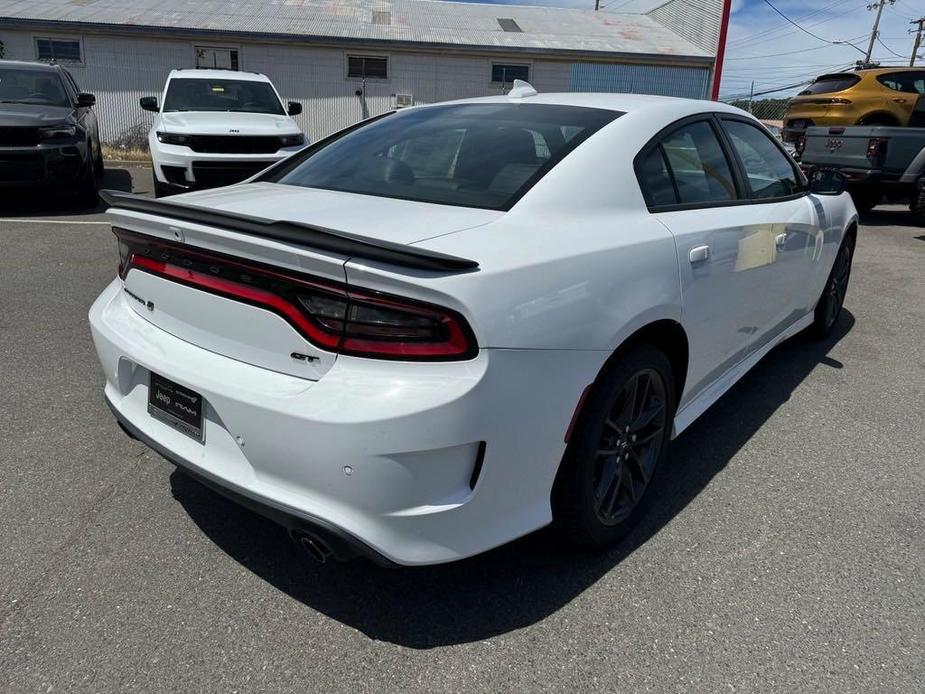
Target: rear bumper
{"type": "Point", "coordinates": [343, 545]}
{"type": "Point", "coordinates": [382, 456]}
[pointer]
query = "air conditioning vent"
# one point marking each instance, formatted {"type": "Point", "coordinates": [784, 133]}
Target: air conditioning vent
{"type": "Point", "coordinates": [403, 100]}
{"type": "Point", "coordinates": [383, 17]}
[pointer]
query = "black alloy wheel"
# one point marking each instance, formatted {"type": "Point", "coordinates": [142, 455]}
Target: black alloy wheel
{"type": "Point", "coordinates": [630, 445]}
{"type": "Point", "coordinates": [615, 450]}
{"type": "Point", "coordinates": [836, 287]}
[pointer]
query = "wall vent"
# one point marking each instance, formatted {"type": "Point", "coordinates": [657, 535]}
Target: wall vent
{"type": "Point", "coordinates": [402, 100]}
{"type": "Point", "coordinates": [382, 17]}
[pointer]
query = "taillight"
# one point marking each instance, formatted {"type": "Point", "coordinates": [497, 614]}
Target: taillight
{"type": "Point", "coordinates": [876, 147]}
{"type": "Point", "coordinates": [330, 315]}
{"type": "Point", "coordinates": [800, 145]}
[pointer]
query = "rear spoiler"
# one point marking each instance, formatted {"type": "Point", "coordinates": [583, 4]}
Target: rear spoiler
{"type": "Point", "coordinates": [297, 233]}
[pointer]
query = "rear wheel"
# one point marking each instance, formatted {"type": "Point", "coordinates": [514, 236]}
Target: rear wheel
{"type": "Point", "coordinates": [616, 449]}
{"type": "Point", "coordinates": [878, 119]}
{"type": "Point", "coordinates": [833, 296]}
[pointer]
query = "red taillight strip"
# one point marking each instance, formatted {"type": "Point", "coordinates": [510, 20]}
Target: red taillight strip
{"type": "Point", "coordinates": [460, 343]}
{"type": "Point", "coordinates": [238, 291]}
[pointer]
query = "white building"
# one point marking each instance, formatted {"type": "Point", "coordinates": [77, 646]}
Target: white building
{"type": "Point", "coordinates": [348, 59]}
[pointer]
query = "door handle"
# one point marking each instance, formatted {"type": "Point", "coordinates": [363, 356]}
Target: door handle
{"type": "Point", "coordinates": [780, 240]}
{"type": "Point", "coordinates": [699, 254]}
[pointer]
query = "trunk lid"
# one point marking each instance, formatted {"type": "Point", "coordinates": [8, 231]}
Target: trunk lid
{"type": "Point", "coordinates": [248, 331]}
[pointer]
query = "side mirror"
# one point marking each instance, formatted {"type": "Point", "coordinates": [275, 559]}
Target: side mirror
{"type": "Point", "coordinates": [295, 108]}
{"type": "Point", "coordinates": [149, 103]}
{"type": "Point", "coordinates": [85, 100]}
{"type": "Point", "coordinates": [827, 182]}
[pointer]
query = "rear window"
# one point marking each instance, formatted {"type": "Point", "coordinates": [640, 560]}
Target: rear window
{"type": "Point", "coordinates": [831, 83]}
{"type": "Point", "coordinates": [472, 155]}
{"type": "Point", "coordinates": [241, 96]}
{"type": "Point", "coordinates": [911, 82]}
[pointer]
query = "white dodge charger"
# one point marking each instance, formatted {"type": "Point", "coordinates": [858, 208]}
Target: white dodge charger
{"type": "Point", "coordinates": [446, 327]}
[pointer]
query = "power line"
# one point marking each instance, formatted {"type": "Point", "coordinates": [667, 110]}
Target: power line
{"type": "Point", "coordinates": [803, 50]}
{"type": "Point", "coordinates": [776, 31]}
{"type": "Point", "coordinates": [805, 31]}
{"type": "Point", "coordinates": [890, 49]}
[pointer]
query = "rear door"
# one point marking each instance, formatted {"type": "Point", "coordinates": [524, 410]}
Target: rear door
{"type": "Point", "coordinates": [690, 185]}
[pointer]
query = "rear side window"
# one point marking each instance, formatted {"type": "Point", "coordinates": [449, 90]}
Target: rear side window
{"type": "Point", "coordinates": [911, 82]}
{"type": "Point", "coordinates": [655, 179]}
{"type": "Point", "coordinates": [697, 164]}
{"type": "Point", "coordinates": [768, 170]}
{"type": "Point", "coordinates": [831, 83]}
{"type": "Point", "coordinates": [473, 155]}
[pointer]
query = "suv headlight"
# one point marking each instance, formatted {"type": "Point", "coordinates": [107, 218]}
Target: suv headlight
{"type": "Point", "coordinates": [292, 140]}
{"type": "Point", "coordinates": [54, 131]}
{"type": "Point", "coordinates": [173, 139]}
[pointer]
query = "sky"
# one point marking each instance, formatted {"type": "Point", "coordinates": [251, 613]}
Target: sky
{"type": "Point", "coordinates": [763, 47]}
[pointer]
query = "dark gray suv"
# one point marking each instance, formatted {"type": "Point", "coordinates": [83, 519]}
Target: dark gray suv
{"type": "Point", "coordinates": [49, 136]}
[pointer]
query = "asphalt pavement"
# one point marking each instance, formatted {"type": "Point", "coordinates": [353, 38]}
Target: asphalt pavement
{"type": "Point", "coordinates": [785, 551]}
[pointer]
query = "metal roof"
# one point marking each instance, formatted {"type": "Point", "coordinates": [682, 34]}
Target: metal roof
{"type": "Point", "coordinates": [412, 22]}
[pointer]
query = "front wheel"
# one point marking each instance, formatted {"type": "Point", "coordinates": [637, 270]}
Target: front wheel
{"type": "Point", "coordinates": [618, 444]}
{"type": "Point", "coordinates": [829, 307]}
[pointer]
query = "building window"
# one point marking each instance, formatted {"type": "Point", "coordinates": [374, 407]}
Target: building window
{"type": "Point", "coordinates": [58, 50]}
{"type": "Point", "coordinates": [216, 57]}
{"type": "Point", "coordinates": [506, 74]}
{"type": "Point", "coordinates": [367, 67]}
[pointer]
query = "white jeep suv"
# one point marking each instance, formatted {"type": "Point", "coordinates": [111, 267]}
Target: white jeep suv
{"type": "Point", "coordinates": [218, 127]}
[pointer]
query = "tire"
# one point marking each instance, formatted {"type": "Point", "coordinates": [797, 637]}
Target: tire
{"type": "Point", "coordinates": [597, 499]}
{"type": "Point", "coordinates": [917, 205]}
{"type": "Point", "coordinates": [866, 199]}
{"type": "Point", "coordinates": [160, 190]}
{"type": "Point", "coordinates": [829, 306]}
{"type": "Point", "coordinates": [99, 167]}
{"type": "Point", "coordinates": [87, 195]}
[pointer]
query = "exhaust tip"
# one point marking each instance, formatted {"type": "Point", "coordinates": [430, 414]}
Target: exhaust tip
{"type": "Point", "coordinates": [316, 548]}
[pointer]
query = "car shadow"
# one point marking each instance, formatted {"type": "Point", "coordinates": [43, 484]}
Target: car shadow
{"type": "Point", "coordinates": [45, 203]}
{"type": "Point", "coordinates": [520, 583]}
{"type": "Point", "coordinates": [887, 216]}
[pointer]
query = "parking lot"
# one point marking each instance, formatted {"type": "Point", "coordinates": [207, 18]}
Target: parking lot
{"type": "Point", "coordinates": [785, 551]}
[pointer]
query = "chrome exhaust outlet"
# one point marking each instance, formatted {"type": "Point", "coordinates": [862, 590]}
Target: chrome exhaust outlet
{"type": "Point", "coordinates": [317, 549]}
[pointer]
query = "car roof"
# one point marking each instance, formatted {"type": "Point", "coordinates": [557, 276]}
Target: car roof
{"type": "Point", "coordinates": [24, 65]}
{"type": "Point", "coordinates": [205, 74]}
{"type": "Point", "coordinates": [667, 106]}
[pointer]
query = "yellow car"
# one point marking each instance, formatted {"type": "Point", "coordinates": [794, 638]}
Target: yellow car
{"type": "Point", "coordinates": [882, 96]}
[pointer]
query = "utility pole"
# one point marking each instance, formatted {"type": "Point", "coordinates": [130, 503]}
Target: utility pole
{"type": "Point", "coordinates": [875, 32]}
{"type": "Point", "coordinates": [597, 5]}
{"type": "Point", "coordinates": [918, 39]}
{"type": "Point", "coordinates": [751, 95]}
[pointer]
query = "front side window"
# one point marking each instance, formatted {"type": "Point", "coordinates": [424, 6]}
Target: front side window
{"type": "Point", "coordinates": [698, 165]}
{"type": "Point", "coordinates": [367, 67]}
{"type": "Point", "coordinates": [911, 82]}
{"type": "Point", "coordinates": [239, 96]}
{"type": "Point", "coordinates": [506, 74]}
{"type": "Point", "coordinates": [26, 86]}
{"type": "Point", "coordinates": [473, 155]}
{"type": "Point", "coordinates": [58, 50]}
{"type": "Point", "coordinates": [768, 170]}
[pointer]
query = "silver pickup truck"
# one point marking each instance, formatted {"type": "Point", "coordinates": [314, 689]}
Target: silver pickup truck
{"type": "Point", "coordinates": [877, 161]}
